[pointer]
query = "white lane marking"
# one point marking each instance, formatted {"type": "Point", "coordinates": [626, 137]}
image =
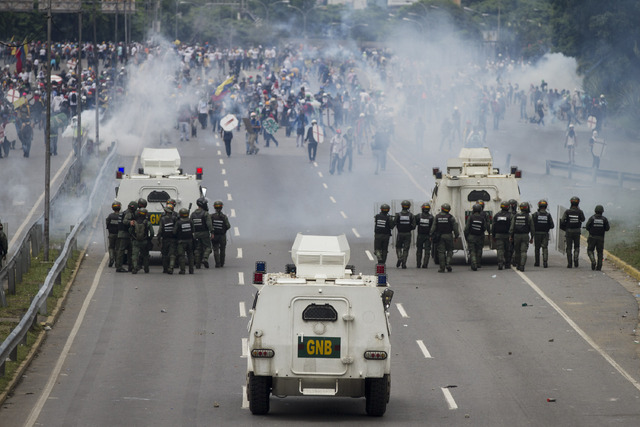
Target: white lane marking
{"type": "Point", "coordinates": [344, 215]}
{"type": "Point", "coordinates": [580, 332]}
{"type": "Point", "coordinates": [401, 309]}
{"type": "Point", "coordinates": [355, 232]}
{"type": "Point", "coordinates": [223, 171]}
{"type": "Point", "coordinates": [236, 231]}
{"type": "Point", "coordinates": [424, 350]}
{"type": "Point", "coordinates": [245, 401]}
{"type": "Point", "coordinates": [226, 183]}
{"type": "Point", "coordinates": [240, 278]}
{"type": "Point", "coordinates": [219, 153]}
{"type": "Point", "coordinates": [371, 258]}
{"type": "Point", "coordinates": [411, 178]}
{"type": "Point", "coordinates": [135, 398]}
{"type": "Point", "coordinates": [325, 185]}
{"type": "Point", "coordinates": [229, 196]}
{"type": "Point", "coordinates": [245, 347]}
{"type": "Point", "coordinates": [35, 413]}
{"type": "Point", "coordinates": [26, 221]}
{"type": "Point", "coordinates": [239, 253]}
{"type": "Point", "coordinates": [315, 164]}
{"type": "Point", "coordinates": [243, 309]}
{"type": "Point", "coordinates": [320, 174]}
{"type": "Point", "coordinates": [221, 161]}
{"type": "Point", "coordinates": [332, 199]}
{"type": "Point", "coordinates": [233, 213]}
{"type": "Point", "coordinates": [449, 398]}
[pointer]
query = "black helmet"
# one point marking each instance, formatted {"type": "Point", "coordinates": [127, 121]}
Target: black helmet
{"type": "Point", "coordinates": [172, 202]}
{"type": "Point", "coordinates": [405, 204]}
{"type": "Point", "coordinates": [202, 203]}
{"type": "Point", "coordinates": [426, 207]}
{"type": "Point", "coordinates": [168, 208]}
{"type": "Point", "coordinates": [513, 203]}
{"type": "Point", "coordinates": [575, 201]}
{"type": "Point", "coordinates": [599, 209]}
{"type": "Point", "coordinates": [142, 213]}
{"type": "Point", "coordinates": [477, 207]}
{"type": "Point", "coordinates": [142, 203]}
{"type": "Point", "coordinates": [504, 205]}
{"type": "Point", "coordinates": [184, 213]}
{"type": "Point", "coordinates": [542, 204]}
{"type": "Point", "coordinates": [524, 207]}
{"type": "Point", "coordinates": [217, 205]}
{"type": "Point", "coordinates": [446, 207]}
{"type": "Point", "coordinates": [385, 207]}
{"type": "Point", "coordinates": [481, 203]}
{"type": "Point", "coordinates": [133, 205]}
{"type": "Point", "coordinates": [116, 206]}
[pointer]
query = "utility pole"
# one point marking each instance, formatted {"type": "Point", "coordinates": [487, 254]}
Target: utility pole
{"type": "Point", "coordinates": [47, 142]}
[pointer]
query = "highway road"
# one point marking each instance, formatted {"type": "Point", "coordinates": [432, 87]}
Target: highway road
{"type": "Point", "coordinates": [547, 347]}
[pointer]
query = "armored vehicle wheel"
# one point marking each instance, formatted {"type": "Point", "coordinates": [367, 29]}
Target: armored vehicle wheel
{"type": "Point", "coordinates": [258, 394]}
{"type": "Point", "coordinates": [377, 395]}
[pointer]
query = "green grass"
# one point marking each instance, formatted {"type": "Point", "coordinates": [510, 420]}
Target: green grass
{"type": "Point", "coordinates": [18, 304]}
{"type": "Point", "coordinates": [623, 240]}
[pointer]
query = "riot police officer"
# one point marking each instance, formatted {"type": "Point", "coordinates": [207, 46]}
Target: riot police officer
{"type": "Point", "coordinates": [141, 233]}
{"type": "Point", "coordinates": [142, 203]}
{"type": "Point", "coordinates": [114, 219]}
{"type": "Point", "coordinates": [444, 225]}
{"type": "Point", "coordinates": [597, 225]}
{"type": "Point", "coordinates": [543, 222]}
{"type": "Point", "coordinates": [405, 223]}
{"type": "Point", "coordinates": [123, 244]}
{"type": "Point", "coordinates": [474, 231]}
{"type": "Point", "coordinates": [487, 221]}
{"type": "Point", "coordinates": [571, 223]}
{"type": "Point", "coordinates": [168, 244]}
{"type": "Point", "coordinates": [424, 221]}
{"type": "Point", "coordinates": [521, 231]}
{"type": "Point", "coordinates": [500, 232]}
{"type": "Point", "coordinates": [514, 210]}
{"type": "Point", "coordinates": [202, 230]}
{"type": "Point", "coordinates": [4, 245]}
{"type": "Point", "coordinates": [384, 223]}
{"type": "Point", "coordinates": [184, 234]}
{"type": "Point", "coordinates": [220, 224]}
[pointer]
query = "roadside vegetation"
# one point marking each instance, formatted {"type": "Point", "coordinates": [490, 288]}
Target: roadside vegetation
{"type": "Point", "coordinates": [18, 304]}
{"type": "Point", "coordinates": [624, 242]}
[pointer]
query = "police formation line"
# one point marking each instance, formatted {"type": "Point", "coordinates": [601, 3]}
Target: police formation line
{"type": "Point", "coordinates": [188, 239]}
{"type": "Point", "coordinates": [512, 229]}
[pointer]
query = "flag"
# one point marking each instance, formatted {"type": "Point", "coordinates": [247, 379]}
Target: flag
{"type": "Point", "coordinates": [223, 88]}
{"type": "Point", "coordinates": [21, 54]}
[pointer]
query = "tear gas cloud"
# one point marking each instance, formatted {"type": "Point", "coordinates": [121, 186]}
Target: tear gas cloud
{"type": "Point", "coordinates": [420, 80]}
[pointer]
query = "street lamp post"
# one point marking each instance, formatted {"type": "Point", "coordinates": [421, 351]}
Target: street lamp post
{"type": "Point", "coordinates": [415, 22]}
{"type": "Point", "coordinates": [304, 15]}
{"type": "Point", "coordinates": [266, 7]}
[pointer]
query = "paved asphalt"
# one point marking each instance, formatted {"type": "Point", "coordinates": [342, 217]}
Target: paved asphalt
{"type": "Point", "coordinates": [550, 347]}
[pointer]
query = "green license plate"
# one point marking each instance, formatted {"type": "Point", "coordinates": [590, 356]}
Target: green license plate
{"type": "Point", "coordinates": [319, 347]}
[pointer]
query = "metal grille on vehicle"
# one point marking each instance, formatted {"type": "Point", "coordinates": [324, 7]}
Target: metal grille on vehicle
{"type": "Point", "coordinates": [324, 313]}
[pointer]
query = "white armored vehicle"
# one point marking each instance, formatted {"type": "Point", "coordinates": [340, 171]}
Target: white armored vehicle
{"type": "Point", "coordinates": [471, 177]}
{"type": "Point", "coordinates": [319, 329]}
{"type": "Point", "coordinates": [159, 179]}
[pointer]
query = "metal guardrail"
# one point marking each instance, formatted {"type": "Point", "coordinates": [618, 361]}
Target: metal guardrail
{"type": "Point", "coordinates": [19, 263]}
{"type": "Point", "coordinates": [594, 173]}
{"type": "Point", "coordinates": [9, 347]}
